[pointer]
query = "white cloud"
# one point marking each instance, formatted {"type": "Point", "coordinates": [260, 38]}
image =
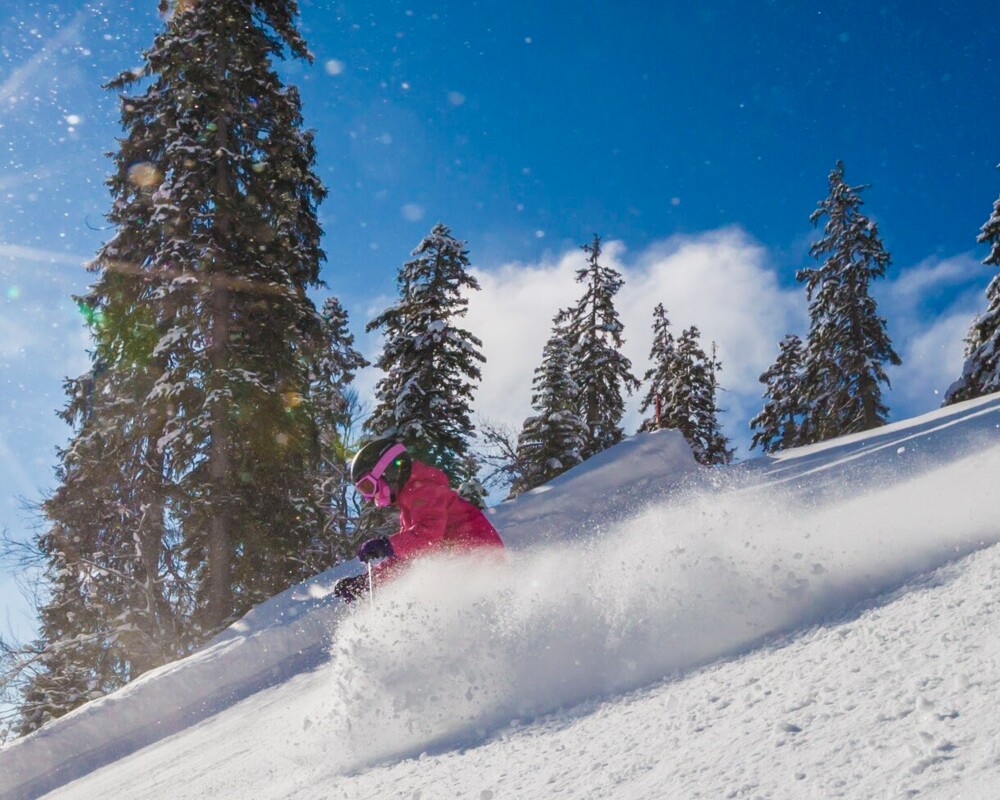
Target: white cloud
{"type": "Point", "coordinates": [914, 284]}
{"type": "Point", "coordinates": [932, 359]}
{"type": "Point", "coordinates": [513, 316]}
{"type": "Point", "coordinates": [17, 252]}
{"type": "Point", "coordinates": [412, 212]}
{"type": "Point", "coordinates": [928, 309]}
{"type": "Point", "coordinates": [720, 281]}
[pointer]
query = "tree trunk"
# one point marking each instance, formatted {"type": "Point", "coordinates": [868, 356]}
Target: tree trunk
{"type": "Point", "coordinates": [219, 548]}
{"type": "Point", "coordinates": [150, 651]}
{"type": "Point", "coordinates": [219, 551]}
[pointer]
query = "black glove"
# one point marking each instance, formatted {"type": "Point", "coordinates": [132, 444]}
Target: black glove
{"type": "Point", "coordinates": [350, 589]}
{"type": "Point", "coordinates": [374, 549]}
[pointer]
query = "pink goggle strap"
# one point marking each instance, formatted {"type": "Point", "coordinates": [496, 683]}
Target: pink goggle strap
{"type": "Point", "coordinates": [386, 460]}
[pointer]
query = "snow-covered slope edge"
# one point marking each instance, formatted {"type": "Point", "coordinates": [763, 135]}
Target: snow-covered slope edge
{"type": "Point", "coordinates": [166, 700]}
{"type": "Point", "coordinates": [445, 682]}
{"type": "Point", "coordinates": [288, 633]}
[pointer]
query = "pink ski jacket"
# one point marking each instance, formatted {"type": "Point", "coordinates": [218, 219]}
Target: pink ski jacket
{"type": "Point", "coordinates": [434, 517]}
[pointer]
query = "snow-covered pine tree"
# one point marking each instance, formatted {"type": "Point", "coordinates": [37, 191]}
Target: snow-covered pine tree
{"type": "Point", "coordinates": [593, 335]}
{"type": "Point", "coordinates": [221, 221]}
{"type": "Point", "coordinates": [472, 488]}
{"type": "Point", "coordinates": [776, 427]}
{"type": "Point", "coordinates": [717, 449]}
{"type": "Point", "coordinates": [553, 439]}
{"type": "Point", "coordinates": [689, 404]}
{"type": "Point", "coordinates": [431, 366]}
{"type": "Point", "coordinates": [335, 405]}
{"type": "Point", "coordinates": [185, 494]}
{"type": "Point", "coordinates": [847, 344]}
{"type": "Point", "coordinates": [658, 377]}
{"type": "Point", "coordinates": [981, 371]}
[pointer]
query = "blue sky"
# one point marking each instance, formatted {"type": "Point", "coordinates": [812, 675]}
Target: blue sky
{"type": "Point", "coordinates": [696, 138]}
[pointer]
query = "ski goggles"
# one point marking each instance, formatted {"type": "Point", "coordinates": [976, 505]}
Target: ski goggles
{"type": "Point", "coordinates": [371, 486]}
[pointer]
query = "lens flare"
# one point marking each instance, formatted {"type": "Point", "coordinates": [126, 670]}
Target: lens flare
{"type": "Point", "coordinates": [93, 316]}
{"type": "Point", "coordinates": [145, 175]}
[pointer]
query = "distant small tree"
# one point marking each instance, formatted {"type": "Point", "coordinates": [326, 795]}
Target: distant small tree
{"type": "Point", "coordinates": [593, 334]}
{"type": "Point", "coordinates": [472, 488]}
{"type": "Point", "coordinates": [981, 371]}
{"type": "Point", "coordinates": [681, 390]}
{"type": "Point", "coordinates": [67, 665]}
{"type": "Point", "coordinates": [553, 439]}
{"type": "Point", "coordinates": [847, 344]}
{"type": "Point", "coordinates": [716, 447]}
{"type": "Point", "coordinates": [658, 377]}
{"type": "Point", "coordinates": [776, 427]}
{"type": "Point", "coordinates": [430, 366]}
{"type": "Point", "coordinates": [690, 405]}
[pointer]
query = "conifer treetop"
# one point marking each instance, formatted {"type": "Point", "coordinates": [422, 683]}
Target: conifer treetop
{"type": "Point", "coordinates": [430, 364]}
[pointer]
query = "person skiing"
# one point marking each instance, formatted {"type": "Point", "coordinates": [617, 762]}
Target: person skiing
{"type": "Point", "coordinates": [433, 517]}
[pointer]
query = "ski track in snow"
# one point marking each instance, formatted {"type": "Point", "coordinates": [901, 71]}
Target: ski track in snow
{"type": "Point", "coordinates": [455, 661]}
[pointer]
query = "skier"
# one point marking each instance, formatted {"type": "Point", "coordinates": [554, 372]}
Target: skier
{"type": "Point", "coordinates": [433, 517]}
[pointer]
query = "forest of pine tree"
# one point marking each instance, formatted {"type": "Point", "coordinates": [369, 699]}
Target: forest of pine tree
{"type": "Point", "coordinates": [211, 435]}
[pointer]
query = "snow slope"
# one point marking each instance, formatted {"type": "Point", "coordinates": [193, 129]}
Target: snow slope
{"type": "Point", "coordinates": [291, 632]}
{"type": "Point", "coordinates": [660, 631]}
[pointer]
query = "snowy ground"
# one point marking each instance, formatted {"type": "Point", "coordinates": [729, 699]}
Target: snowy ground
{"type": "Point", "coordinates": [897, 701]}
{"type": "Point", "coordinates": [821, 625]}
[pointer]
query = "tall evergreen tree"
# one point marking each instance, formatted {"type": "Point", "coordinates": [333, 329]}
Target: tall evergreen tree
{"type": "Point", "coordinates": [553, 439]}
{"type": "Point", "coordinates": [593, 334]}
{"type": "Point", "coordinates": [847, 344]}
{"type": "Point", "coordinates": [981, 372]}
{"type": "Point", "coordinates": [431, 366]}
{"type": "Point", "coordinates": [185, 494]}
{"type": "Point", "coordinates": [776, 427]}
{"type": "Point", "coordinates": [659, 376]}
